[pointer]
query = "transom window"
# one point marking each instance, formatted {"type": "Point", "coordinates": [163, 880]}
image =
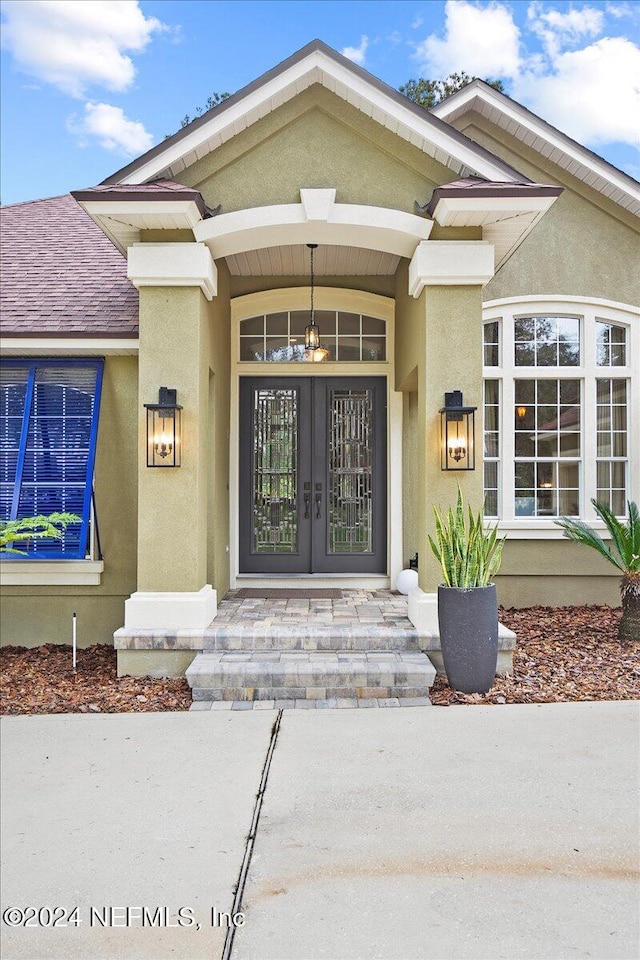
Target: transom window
{"type": "Point", "coordinates": [547, 341]}
{"type": "Point", "coordinates": [279, 337]}
{"type": "Point", "coordinates": [556, 431]}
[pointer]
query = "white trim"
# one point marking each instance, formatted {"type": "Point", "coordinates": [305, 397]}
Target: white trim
{"type": "Point", "coordinates": [297, 298]}
{"type": "Point", "coordinates": [146, 214]}
{"type": "Point", "coordinates": [451, 263]}
{"type": "Point", "coordinates": [170, 610]}
{"type": "Point", "coordinates": [317, 67]}
{"type": "Point", "coordinates": [326, 298]}
{"type": "Point", "coordinates": [505, 113]}
{"type": "Point", "coordinates": [123, 220]}
{"type": "Point", "coordinates": [312, 581]}
{"type": "Point", "coordinates": [478, 208]}
{"type": "Point", "coordinates": [68, 346]}
{"type": "Point", "coordinates": [506, 221]}
{"type": "Point", "coordinates": [172, 265]}
{"type": "Point", "coordinates": [339, 224]}
{"type": "Point", "coordinates": [41, 573]}
{"type": "Point", "coordinates": [551, 301]}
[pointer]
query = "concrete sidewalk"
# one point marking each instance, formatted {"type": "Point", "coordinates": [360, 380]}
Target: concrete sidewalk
{"type": "Point", "coordinates": [482, 832]}
{"type": "Point", "coordinates": [485, 832]}
{"type": "Point", "coordinates": [148, 810]}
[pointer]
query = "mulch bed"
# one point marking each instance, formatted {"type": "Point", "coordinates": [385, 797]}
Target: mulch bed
{"type": "Point", "coordinates": [563, 653]}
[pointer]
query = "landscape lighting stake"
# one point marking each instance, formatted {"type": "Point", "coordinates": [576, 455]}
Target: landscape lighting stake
{"type": "Point", "coordinates": [73, 640]}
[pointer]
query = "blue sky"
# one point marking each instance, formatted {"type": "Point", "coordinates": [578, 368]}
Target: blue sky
{"type": "Point", "coordinates": [86, 86]}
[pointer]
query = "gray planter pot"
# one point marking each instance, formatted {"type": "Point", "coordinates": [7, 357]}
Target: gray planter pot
{"type": "Point", "coordinates": [468, 620]}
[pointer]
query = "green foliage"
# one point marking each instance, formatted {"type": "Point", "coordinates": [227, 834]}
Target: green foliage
{"type": "Point", "coordinates": [624, 551]}
{"type": "Point", "coordinates": [34, 528]}
{"type": "Point", "coordinates": [428, 93]}
{"type": "Point", "coordinates": [468, 556]}
{"type": "Point", "coordinates": [213, 101]}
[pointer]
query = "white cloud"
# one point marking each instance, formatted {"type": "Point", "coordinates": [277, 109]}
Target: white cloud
{"type": "Point", "coordinates": [557, 29]}
{"type": "Point", "coordinates": [482, 41]}
{"type": "Point", "coordinates": [73, 44]}
{"type": "Point", "coordinates": [592, 94]}
{"type": "Point", "coordinates": [111, 128]}
{"type": "Point", "coordinates": [357, 54]}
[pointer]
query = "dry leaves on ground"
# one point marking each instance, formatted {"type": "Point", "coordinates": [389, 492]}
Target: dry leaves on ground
{"type": "Point", "coordinates": [563, 653]}
{"type": "Point", "coordinates": [41, 680]}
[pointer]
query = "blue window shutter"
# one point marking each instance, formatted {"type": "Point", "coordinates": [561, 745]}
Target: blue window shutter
{"type": "Point", "coordinates": [55, 454]}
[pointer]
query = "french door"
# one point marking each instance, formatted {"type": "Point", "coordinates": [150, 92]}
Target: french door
{"type": "Point", "coordinates": [313, 475]}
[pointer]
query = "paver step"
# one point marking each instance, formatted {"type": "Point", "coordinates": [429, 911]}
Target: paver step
{"type": "Point", "coordinates": [308, 637]}
{"type": "Point", "coordinates": [284, 675]}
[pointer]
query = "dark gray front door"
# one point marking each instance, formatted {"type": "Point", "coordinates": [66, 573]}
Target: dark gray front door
{"type": "Point", "coordinates": [313, 475]}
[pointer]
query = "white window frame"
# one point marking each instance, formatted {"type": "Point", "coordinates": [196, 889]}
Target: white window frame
{"type": "Point", "coordinates": [590, 310]}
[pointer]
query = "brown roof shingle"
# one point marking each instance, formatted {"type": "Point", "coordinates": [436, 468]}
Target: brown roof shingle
{"type": "Point", "coordinates": [60, 275]}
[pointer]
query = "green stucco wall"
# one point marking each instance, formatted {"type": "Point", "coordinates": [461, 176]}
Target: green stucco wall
{"type": "Point", "coordinates": [435, 354]}
{"type": "Point", "coordinates": [218, 316]}
{"type": "Point", "coordinates": [585, 245]}
{"type": "Point", "coordinates": [32, 615]}
{"type": "Point", "coordinates": [316, 140]}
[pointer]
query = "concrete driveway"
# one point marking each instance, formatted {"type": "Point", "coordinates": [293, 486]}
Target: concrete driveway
{"type": "Point", "coordinates": [479, 832]}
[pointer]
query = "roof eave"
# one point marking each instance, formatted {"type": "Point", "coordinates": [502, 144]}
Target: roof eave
{"type": "Point", "coordinates": [230, 113]}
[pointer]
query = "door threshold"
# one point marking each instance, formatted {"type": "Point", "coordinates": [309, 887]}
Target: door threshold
{"type": "Point", "coordinates": [352, 581]}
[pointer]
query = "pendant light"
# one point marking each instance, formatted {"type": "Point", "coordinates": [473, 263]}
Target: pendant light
{"type": "Point", "coordinates": [313, 351]}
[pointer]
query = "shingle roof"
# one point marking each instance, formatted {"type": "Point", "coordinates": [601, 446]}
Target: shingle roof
{"type": "Point", "coordinates": [60, 275]}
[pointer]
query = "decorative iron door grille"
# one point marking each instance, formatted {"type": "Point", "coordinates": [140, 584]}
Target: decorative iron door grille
{"type": "Point", "coordinates": [313, 475]}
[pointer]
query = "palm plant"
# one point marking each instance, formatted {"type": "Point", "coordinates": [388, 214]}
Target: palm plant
{"type": "Point", "coordinates": [623, 552]}
{"type": "Point", "coordinates": [468, 556]}
{"type": "Point", "coordinates": [33, 528]}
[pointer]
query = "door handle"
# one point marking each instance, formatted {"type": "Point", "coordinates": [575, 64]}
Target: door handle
{"type": "Point", "coordinates": [307, 504]}
{"type": "Point", "coordinates": [318, 505]}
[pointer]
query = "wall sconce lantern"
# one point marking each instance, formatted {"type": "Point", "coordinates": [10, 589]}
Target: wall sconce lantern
{"type": "Point", "coordinates": [457, 433]}
{"type": "Point", "coordinates": [164, 430]}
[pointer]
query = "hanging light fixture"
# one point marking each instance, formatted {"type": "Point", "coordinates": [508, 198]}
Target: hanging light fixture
{"type": "Point", "coordinates": [313, 352]}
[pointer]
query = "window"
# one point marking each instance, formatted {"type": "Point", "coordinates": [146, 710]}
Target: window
{"type": "Point", "coordinates": [279, 337]}
{"type": "Point", "coordinates": [547, 341]}
{"type": "Point", "coordinates": [556, 431]}
{"type": "Point", "coordinates": [48, 428]}
{"type": "Point", "coordinates": [611, 348]}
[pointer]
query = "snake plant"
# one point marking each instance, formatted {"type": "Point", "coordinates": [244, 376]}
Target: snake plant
{"type": "Point", "coordinates": [469, 556]}
{"type": "Point", "coordinates": [623, 553]}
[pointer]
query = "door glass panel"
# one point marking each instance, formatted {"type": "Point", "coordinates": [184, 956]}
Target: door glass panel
{"type": "Point", "coordinates": [350, 471]}
{"type": "Point", "coordinates": [275, 479]}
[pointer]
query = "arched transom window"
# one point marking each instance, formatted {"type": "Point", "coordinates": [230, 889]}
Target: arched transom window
{"type": "Point", "coordinates": [279, 337]}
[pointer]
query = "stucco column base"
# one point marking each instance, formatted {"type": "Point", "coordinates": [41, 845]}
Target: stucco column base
{"type": "Point", "coordinates": [172, 611]}
{"type": "Point", "coordinates": [423, 614]}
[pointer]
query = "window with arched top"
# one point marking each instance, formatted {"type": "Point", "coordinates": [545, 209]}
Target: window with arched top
{"type": "Point", "coordinates": [279, 337]}
{"type": "Point", "coordinates": [559, 382]}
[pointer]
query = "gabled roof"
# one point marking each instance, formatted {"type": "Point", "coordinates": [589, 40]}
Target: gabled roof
{"type": "Point", "coordinates": [536, 133]}
{"type": "Point", "coordinates": [315, 63]}
{"type": "Point", "coordinates": [60, 275]}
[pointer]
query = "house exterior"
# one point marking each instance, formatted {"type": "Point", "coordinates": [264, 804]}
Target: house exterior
{"type": "Point", "coordinates": [473, 248]}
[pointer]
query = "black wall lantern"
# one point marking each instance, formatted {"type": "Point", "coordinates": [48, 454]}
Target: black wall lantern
{"type": "Point", "coordinates": [164, 430]}
{"type": "Point", "coordinates": [457, 433]}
